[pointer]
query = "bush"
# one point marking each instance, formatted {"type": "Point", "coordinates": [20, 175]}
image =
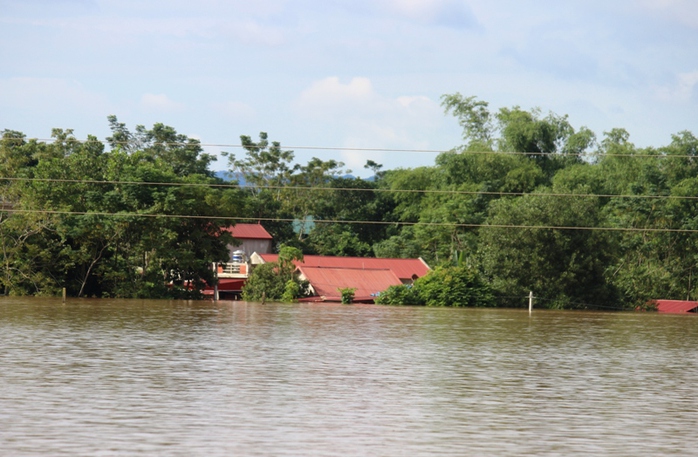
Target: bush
{"type": "Point", "coordinates": [454, 286]}
{"type": "Point", "coordinates": [447, 286]}
{"type": "Point", "coordinates": [347, 295]}
{"type": "Point", "coordinates": [264, 283]}
{"type": "Point", "coordinates": [291, 292]}
{"type": "Point", "coordinates": [399, 295]}
{"type": "Point", "coordinates": [276, 281]}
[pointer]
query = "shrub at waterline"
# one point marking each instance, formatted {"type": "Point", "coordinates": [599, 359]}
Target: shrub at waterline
{"type": "Point", "coordinates": [276, 281]}
{"type": "Point", "coordinates": [454, 286]}
{"type": "Point", "coordinates": [347, 295]}
{"type": "Point", "coordinates": [404, 294]}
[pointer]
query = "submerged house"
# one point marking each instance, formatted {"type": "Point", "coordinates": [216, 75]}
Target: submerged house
{"type": "Point", "coordinates": [677, 306]}
{"type": "Point", "coordinates": [233, 274]}
{"type": "Point", "coordinates": [326, 275]}
{"type": "Point", "coordinates": [252, 238]}
{"type": "Point", "coordinates": [369, 276]}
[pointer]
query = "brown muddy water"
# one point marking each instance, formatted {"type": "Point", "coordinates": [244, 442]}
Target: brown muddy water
{"type": "Point", "coordinates": [123, 378]}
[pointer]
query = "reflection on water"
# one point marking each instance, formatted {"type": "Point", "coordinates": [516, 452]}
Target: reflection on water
{"type": "Point", "coordinates": [116, 377]}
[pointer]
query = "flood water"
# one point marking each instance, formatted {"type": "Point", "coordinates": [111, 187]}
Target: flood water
{"type": "Point", "coordinates": [118, 377]}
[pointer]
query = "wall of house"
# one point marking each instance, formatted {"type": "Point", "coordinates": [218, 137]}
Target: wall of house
{"type": "Point", "coordinates": [251, 246]}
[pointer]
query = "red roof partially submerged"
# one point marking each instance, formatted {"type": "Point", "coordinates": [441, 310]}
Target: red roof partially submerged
{"type": "Point", "coordinates": [677, 306]}
{"type": "Point", "coordinates": [404, 269]}
{"type": "Point", "coordinates": [225, 285]}
{"type": "Point", "coordinates": [368, 283]}
{"type": "Point", "coordinates": [248, 231]}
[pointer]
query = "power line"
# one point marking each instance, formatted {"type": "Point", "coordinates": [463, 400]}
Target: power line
{"type": "Point", "coordinates": [358, 222]}
{"type": "Point", "coordinates": [370, 149]}
{"type": "Point", "coordinates": [350, 189]}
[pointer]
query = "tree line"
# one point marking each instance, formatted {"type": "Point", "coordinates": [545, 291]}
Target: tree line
{"type": "Point", "coordinates": [527, 202]}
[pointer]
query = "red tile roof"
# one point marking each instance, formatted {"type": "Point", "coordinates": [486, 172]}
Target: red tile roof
{"type": "Point", "coordinates": [402, 268]}
{"type": "Point", "coordinates": [676, 306]}
{"type": "Point", "coordinates": [327, 281]}
{"type": "Point", "coordinates": [248, 231]}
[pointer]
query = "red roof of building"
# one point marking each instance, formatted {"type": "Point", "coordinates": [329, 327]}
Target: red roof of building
{"type": "Point", "coordinates": [248, 231]}
{"type": "Point", "coordinates": [404, 269]}
{"type": "Point", "coordinates": [328, 281]}
{"type": "Point", "coordinates": [225, 285]}
{"type": "Point", "coordinates": [676, 306]}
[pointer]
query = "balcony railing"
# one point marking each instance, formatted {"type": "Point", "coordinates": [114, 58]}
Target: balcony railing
{"type": "Point", "coordinates": [233, 270]}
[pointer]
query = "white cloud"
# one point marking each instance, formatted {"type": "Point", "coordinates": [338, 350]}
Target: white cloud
{"type": "Point", "coordinates": [253, 32]}
{"type": "Point", "coordinates": [686, 85]}
{"type": "Point", "coordinates": [453, 13]}
{"type": "Point", "coordinates": [90, 58]}
{"type": "Point", "coordinates": [160, 102]}
{"type": "Point", "coordinates": [199, 8]}
{"type": "Point", "coordinates": [36, 105]}
{"type": "Point", "coordinates": [416, 8]}
{"type": "Point", "coordinates": [682, 11]}
{"type": "Point", "coordinates": [681, 91]}
{"type": "Point", "coordinates": [101, 30]}
{"type": "Point", "coordinates": [49, 97]}
{"type": "Point", "coordinates": [235, 110]}
{"type": "Point", "coordinates": [367, 119]}
{"type": "Point", "coordinates": [684, 5]}
{"type": "Point", "coordinates": [330, 96]}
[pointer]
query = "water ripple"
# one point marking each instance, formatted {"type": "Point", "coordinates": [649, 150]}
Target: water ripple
{"type": "Point", "coordinates": [175, 378]}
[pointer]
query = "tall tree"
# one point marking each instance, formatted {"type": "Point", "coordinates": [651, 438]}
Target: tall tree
{"type": "Point", "coordinates": [524, 250]}
{"type": "Point", "coordinates": [97, 225]}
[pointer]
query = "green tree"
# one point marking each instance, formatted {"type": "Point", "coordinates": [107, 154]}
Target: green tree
{"type": "Point", "coordinates": [281, 189]}
{"type": "Point", "coordinates": [116, 234]}
{"type": "Point", "coordinates": [475, 119]}
{"type": "Point", "coordinates": [265, 170]}
{"type": "Point", "coordinates": [551, 140]}
{"type": "Point", "coordinates": [276, 281]}
{"type": "Point", "coordinates": [448, 286]}
{"type": "Point", "coordinates": [310, 187]}
{"type": "Point", "coordinates": [523, 250]}
{"type": "Point", "coordinates": [183, 155]}
{"type": "Point", "coordinates": [403, 294]}
{"type": "Point", "coordinates": [348, 199]}
{"type": "Point", "coordinates": [402, 245]}
{"type": "Point", "coordinates": [455, 286]}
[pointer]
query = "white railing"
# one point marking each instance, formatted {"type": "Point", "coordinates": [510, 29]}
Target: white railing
{"type": "Point", "coordinates": [233, 270]}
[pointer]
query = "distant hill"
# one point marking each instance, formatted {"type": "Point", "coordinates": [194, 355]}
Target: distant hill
{"type": "Point", "coordinates": [228, 177]}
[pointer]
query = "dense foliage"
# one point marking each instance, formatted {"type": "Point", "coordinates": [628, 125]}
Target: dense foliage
{"type": "Point", "coordinates": [403, 294]}
{"type": "Point", "coordinates": [453, 286]}
{"type": "Point", "coordinates": [526, 203]}
{"type": "Point", "coordinates": [276, 281]}
{"type": "Point", "coordinates": [82, 219]}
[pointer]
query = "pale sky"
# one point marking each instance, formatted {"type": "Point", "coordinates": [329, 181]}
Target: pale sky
{"type": "Point", "coordinates": [345, 73]}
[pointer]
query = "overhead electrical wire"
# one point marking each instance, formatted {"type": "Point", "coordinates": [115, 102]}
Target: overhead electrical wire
{"type": "Point", "coordinates": [350, 189]}
{"type": "Point", "coordinates": [373, 149]}
{"type": "Point", "coordinates": [318, 188]}
{"type": "Point", "coordinates": [340, 221]}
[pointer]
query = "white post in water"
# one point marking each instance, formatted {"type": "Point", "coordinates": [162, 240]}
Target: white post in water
{"type": "Point", "coordinates": [530, 302]}
{"type": "Point", "coordinates": [215, 285]}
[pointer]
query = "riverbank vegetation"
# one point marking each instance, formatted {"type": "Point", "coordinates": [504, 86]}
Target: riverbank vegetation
{"type": "Point", "coordinates": [527, 202]}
